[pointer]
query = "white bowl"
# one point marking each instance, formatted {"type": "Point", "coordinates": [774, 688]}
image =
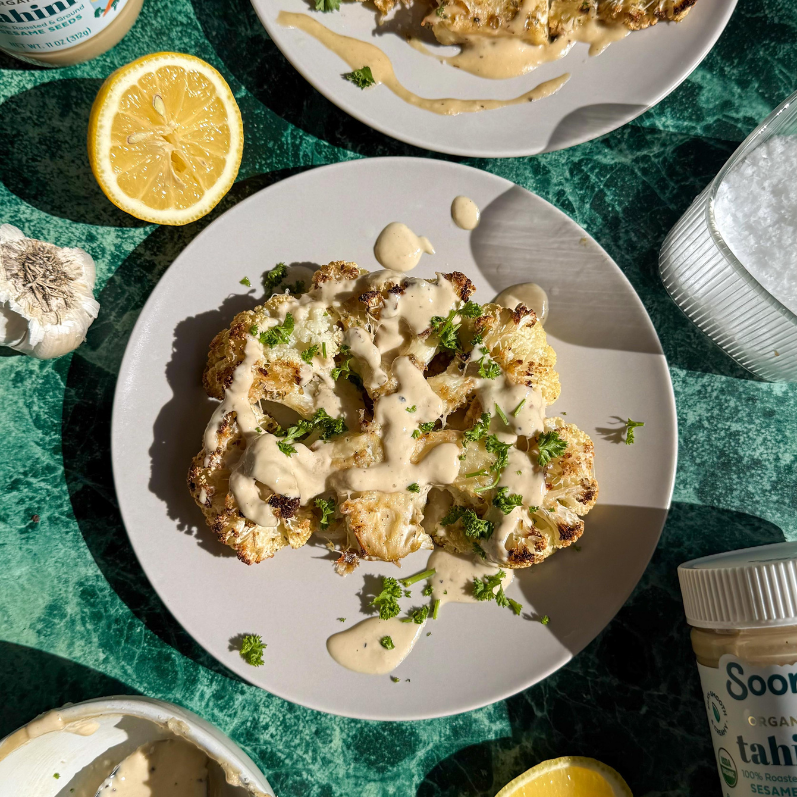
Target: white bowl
{"type": "Point", "coordinates": [82, 743]}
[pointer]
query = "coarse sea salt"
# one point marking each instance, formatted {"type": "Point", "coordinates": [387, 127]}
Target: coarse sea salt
{"type": "Point", "coordinates": [756, 213]}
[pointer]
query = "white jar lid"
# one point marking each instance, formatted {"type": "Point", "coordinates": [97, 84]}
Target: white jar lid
{"type": "Point", "coordinates": [751, 588]}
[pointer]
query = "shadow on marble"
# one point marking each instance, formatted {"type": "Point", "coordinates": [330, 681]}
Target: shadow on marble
{"type": "Point", "coordinates": [47, 165]}
{"type": "Point", "coordinates": [88, 400]}
{"type": "Point", "coordinates": [632, 698]}
{"type": "Point", "coordinates": [584, 121]}
{"type": "Point", "coordinates": [241, 41]}
{"type": "Point", "coordinates": [7, 62]}
{"type": "Point", "coordinates": [35, 681]}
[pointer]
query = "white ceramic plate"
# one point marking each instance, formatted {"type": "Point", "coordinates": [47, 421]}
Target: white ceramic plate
{"type": "Point", "coordinates": [610, 364]}
{"type": "Point", "coordinates": [603, 93]}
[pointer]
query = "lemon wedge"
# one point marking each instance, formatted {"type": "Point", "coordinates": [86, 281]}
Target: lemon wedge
{"type": "Point", "coordinates": [570, 776]}
{"type": "Point", "coordinates": [165, 138]}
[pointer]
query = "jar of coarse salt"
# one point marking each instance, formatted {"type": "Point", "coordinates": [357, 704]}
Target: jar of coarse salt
{"type": "Point", "coordinates": [730, 263]}
{"type": "Point", "coordinates": [742, 607]}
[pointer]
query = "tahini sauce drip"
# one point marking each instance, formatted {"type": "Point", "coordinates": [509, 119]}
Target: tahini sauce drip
{"type": "Point", "coordinates": [527, 293]}
{"type": "Point", "coordinates": [465, 213]}
{"type": "Point", "coordinates": [359, 648]}
{"type": "Point", "coordinates": [358, 54]}
{"type": "Point", "coordinates": [398, 248]}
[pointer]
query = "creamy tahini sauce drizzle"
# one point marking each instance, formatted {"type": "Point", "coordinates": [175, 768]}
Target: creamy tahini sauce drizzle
{"type": "Point", "coordinates": [170, 767]}
{"type": "Point", "coordinates": [398, 248]}
{"type": "Point", "coordinates": [455, 574]}
{"type": "Point", "coordinates": [499, 56]}
{"type": "Point", "coordinates": [529, 294]}
{"type": "Point", "coordinates": [359, 648]}
{"type": "Point", "coordinates": [358, 54]}
{"type": "Point", "coordinates": [465, 213]}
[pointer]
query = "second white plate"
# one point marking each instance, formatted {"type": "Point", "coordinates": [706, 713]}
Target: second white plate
{"type": "Point", "coordinates": [603, 93]}
{"type": "Point", "coordinates": [611, 368]}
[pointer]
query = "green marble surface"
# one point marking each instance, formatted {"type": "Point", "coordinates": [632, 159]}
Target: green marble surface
{"type": "Point", "coordinates": [78, 618]}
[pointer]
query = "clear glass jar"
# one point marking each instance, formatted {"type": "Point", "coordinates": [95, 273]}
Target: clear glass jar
{"type": "Point", "coordinates": [715, 290]}
{"type": "Point", "coordinates": [64, 32]}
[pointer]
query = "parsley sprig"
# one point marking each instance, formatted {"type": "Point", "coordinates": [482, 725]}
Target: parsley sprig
{"type": "Point", "coordinates": [549, 446]}
{"type": "Point", "coordinates": [327, 507]}
{"type": "Point", "coordinates": [387, 643]}
{"type": "Point", "coordinates": [362, 78]}
{"type": "Point", "coordinates": [506, 503]}
{"type": "Point", "coordinates": [387, 600]}
{"type": "Point", "coordinates": [322, 422]}
{"type": "Point", "coordinates": [501, 452]}
{"type": "Point", "coordinates": [410, 580]}
{"type": "Point", "coordinates": [478, 430]}
{"type": "Point", "coordinates": [274, 278]}
{"type": "Point", "coordinates": [484, 590]}
{"type": "Point", "coordinates": [308, 354]}
{"type": "Point", "coordinates": [252, 647]}
{"type": "Point", "coordinates": [474, 527]}
{"type": "Point", "coordinates": [327, 5]}
{"type": "Point", "coordinates": [417, 616]}
{"type": "Point", "coordinates": [277, 335]}
{"type": "Point", "coordinates": [629, 430]}
{"type": "Point", "coordinates": [423, 428]}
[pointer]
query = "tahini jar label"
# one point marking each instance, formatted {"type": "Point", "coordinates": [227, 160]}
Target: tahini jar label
{"type": "Point", "coordinates": [30, 27]}
{"type": "Point", "coordinates": [752, 714]}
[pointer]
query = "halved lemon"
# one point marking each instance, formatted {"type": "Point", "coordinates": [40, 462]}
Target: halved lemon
{"type": "Point", "coordinates": [570, 776]}
{"type": "Point", "coordinates": [165, 138]}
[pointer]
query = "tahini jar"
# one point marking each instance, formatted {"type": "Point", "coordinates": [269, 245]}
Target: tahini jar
{"type": "Point", "coordinates": [742, 607]}
{"type": "Point", "coordinates": [64, 32]}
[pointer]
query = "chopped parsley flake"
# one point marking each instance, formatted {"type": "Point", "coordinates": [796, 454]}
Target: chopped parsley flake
{"type": "Point", "coordinates": [427, 591]}
{"type": "Point", "coordinates": [407, 593]}
{"type": "Point", "coordinates": [484, 590]}
{"type": "Point", "coordinates": [341, 619]}
{"type": "Point", "coordinates": [252, 648]}
{"type": "Point", "coordinates": [479, 551]}
{"type": "Point", "coordinates": [394, 679]}
{"type": "Point", "coordinates": [423, 428]}
{"type": "Point", "coordinates": [278, 334]}
{"type": "Point", "coordinates": [518, 408]}
{"type": "Point", "coordinates": [550, 445]}
{"type": "Point", "coordinates": [412, 408]}
{"type": "Point", "coordinates": [308, 354]}
{"type": "Point", "coordinates": [327, 507]}
{"type": "Point", "coordinates": [446, 330]}
{"type": "Point", "coordinates": [440, 11]}
{"type": "Point", "coordinates": [479, 429]}
{"type": "Point", "coordinates": [387, 600]}
{"type": "Point", "coordinates": [471, 310]}
{"type": "Point", "coordinates": [362, 78]}
{"type": "Point", "coordinates": [409, 581]}
{"type": "Point", "coordinates": [253, 330]}
{"type": "Point", "coordinates": [321, 422]}
{"type": "Point", "coordinates": [343, 369]}
{"type": "Point", "coordinates": [245, 281]}
{"type": "Point", "coordinates": [436, 608]}
{"type": "Point", "coordinates": [258, 430]}
{"type": "Point", "coordinates": [474, 527]}
{"type": "Point", "coordinates": [576, 548]}
{"type": "Point", "coordinates": [324, 350]}
{"type": "Point", "coordinates": [533, 509]}
{"type": "Point", "coordinates": [274, 278]}
{"type": "Point", "coordinates": [506, 503]}
{"type": "Point", "coordinates": [545, 619]}
{"type": "Point", "coordinates": [501, 451]}
{"type": "Point", "coordinates": [629, 430]}
{"type": "Point", "coordinates": [327, 5]}
{"type": "Point", "coordinates": [418, 616]}
{"type": "Point", "coordinates": [56, 775]}
{"type": "Point", "coordinates": [489, 369]}
{"type": "Point", "coordinates": [502, 415]}
{"type": "Point", "coordinates": [414, 487]}
{"type": "Point", "coordinates": [387, 643]}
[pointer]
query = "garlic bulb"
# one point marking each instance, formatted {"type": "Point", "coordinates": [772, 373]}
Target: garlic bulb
{"type": "Point", "coordinates": [46, 295]}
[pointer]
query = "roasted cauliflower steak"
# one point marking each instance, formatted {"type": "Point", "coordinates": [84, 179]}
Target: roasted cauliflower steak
{"type": "Point", "coordinates": [368, 411]}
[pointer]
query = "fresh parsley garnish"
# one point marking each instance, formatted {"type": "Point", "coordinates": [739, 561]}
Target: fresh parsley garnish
{"type": "Point", "coordinates": [479, 551]}
{"type": "Point", "coordinates": [412, 408]}
{"type": "Point", "coordinates": [471, 310]}
{"type": "Point", "coordinates": [387, 643]}
{"type": "Point", "coordinates": [506, 503]}
{"type": "Point", "coordinates": [545, 619]}
{"type": "Point", "coordinates": [427, 590]}
{"type": "Point", "coordinates": [518, 409]}
{"type": "Point", "coordinates": [417, 616]}
{"type": "Point", "coordinates": [274, 278]}
{"type": "Point", "coordinates": [550, 445]}
{"type": "Point", "coordinates": [414, 487]}
{"type": "Point", "coordinates": [479, 429]}
{"type": "Point", "coordinates": [252, 648]}
{"type": "Point", "coordinates": [245, 281]}
{"type": "Point", "coordinates": [446, 331]}
{"type": "Point", "coordinates": [629, 430]}
{"type": "Point", "coordinates": [327, 5]}
{"type": "Point", "coordinates": [341, 619]}
{"type": "Point", "coordinates": [410, 580]}
{"type": "Point", "coordinates": [322, 422]}
{"type": "Point", "coordinates": [343, 369]}
{"type": "Point", "coordinates": [387, 600]}
{"type": "Point", "coordinates": [423, 428]}
{"type": "Point", "coordinates": [324, 350]}
{"type": "Point", "coordinates": [483, 587]}
{"type": "Point", "coordinates": [488, 368]}
{"type": "Point", "coordinates": [501, 414]}
{"type": "Point", "coordinates": [439, 11]}
{"type": "Point", "coordinates": [308, 354]}
{"type": "Point", "coordinates": [501, 452]}
{"type": "Point", "coordinates": [279, 334]}
{"type": "Point", "coordinates": [362, 78]}
{"type": "Point", "coordinates": [327, 507]}
{"type": "Point", "coordinates": [436, 607]}
{"type": "Point", "coordinates": [474, 527]}
{"type": "Point", "coordinates": [533, 509]}
{"type": "Point", "coordinates": [395, 679]}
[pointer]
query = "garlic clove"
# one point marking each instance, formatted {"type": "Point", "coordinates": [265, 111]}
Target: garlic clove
{"type": "Point", "coordinates": [46, 295]}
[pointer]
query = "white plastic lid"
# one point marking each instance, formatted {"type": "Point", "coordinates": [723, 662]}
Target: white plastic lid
{"type": "Point", "coordinates": [751, 588]}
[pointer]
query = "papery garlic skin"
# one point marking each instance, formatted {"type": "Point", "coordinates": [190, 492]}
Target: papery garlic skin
{"type": "Point", "coordinates": [58, 324]}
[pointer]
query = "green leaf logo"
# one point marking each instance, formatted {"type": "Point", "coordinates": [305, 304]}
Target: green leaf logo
{"type": "Point", "coordinates": [716, 713]}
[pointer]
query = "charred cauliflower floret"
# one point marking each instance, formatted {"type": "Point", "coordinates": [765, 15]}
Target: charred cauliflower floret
{"type": "Point", "coordinates": [394, 437]}
{"type": "Point", "coordinates": [638, 14]}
